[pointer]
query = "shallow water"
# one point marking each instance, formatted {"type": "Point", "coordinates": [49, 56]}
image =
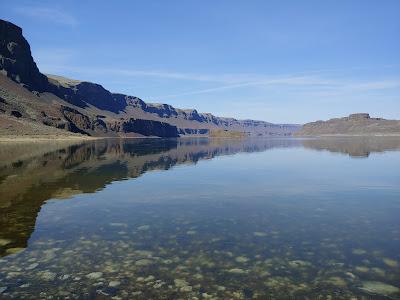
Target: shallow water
{"type": "Point", "coordinates": [201, 219]}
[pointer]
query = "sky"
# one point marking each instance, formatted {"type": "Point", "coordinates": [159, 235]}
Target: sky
{"type": "Point", "coordinates": [278, 61]}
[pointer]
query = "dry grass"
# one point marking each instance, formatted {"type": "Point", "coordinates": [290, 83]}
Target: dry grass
{"type": "Point", "coordinates": [226, 134]}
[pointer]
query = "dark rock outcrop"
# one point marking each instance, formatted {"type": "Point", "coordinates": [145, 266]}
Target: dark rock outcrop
{"type": "Point", "coordinates": [16, 58]}
{"type": "Point", "coordinates": [81, 123]}
{"type": "Point", "coordinates": [150, 128]}
{"type": "Point", "coordinates": [359, 116]}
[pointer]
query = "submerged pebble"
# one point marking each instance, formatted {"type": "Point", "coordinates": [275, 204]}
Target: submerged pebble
{"type": "Point", "coordinates": [362, 269]}
{"type": "Point", "coordinates": [94, 275]}
{"type": "Point", "coordinates": [32, 266]}
{"type": "Point", "coordinates": [114, 283]}
{"type": "Point", "coordinates": [260, 234]}
{"type": "Point", "coordinates": [237, 271]}
{"type": "Point", "coordinates": [359, 251]}
{"type": "Point", "coordinates": [299, 264]}
{"type": "Point", "coordinates": [47, 275]}
{"type": "Point", "coordinates": [241, 259]}
{"type": "Point", "coordinates": [379, 288]}
{"type": "Point", "coordinates": [4, 242]}
{"type": "Point", "coordinates": [337, 281]}
{"type": "Point", "coordinates": [143, 262]}
{"type": "Point", "coordinates": [144, 227]}
{"type": "Point", "coordinates": [391, 262]}
{"type": "Point", "coordinates": [14, 250]}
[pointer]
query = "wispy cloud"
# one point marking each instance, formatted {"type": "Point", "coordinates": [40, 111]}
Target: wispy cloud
{"type": "Point", "coordinates": [48, 14]}
{"type": "Point", "coordinates": [324, 86]}
{"type": "Point", "coordinates": [317, 82]}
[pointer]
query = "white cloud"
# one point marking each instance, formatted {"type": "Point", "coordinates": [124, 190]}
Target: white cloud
{"type": "Point", "coordinates": [47, 14]}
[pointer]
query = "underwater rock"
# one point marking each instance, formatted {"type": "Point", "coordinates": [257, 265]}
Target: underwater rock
{"type": "Point", "coordinates": [187, 288]}
{"type": "Point", "coordinates": [299, 264]}
{"type": "Point", "coordinates": [180, 283]}
{"type": "Point", "coordinates": [379, 272]}
{"type": "Point", "coordinates": [3, 289]}
{"type": "Point", "coordinates": [94, 275]}
{"type": "Point", "coordinates": [351, 275]}
{"type": "Point", "coordinates": [237, 271]}
{"type": "Point", "coordinates": [149, 278]}
{"type": "Point", "coordinates": [337, 281]}
{"type": "Point", "coordinates": [107, 291]}
{"type": "Point", "coordinates": [359, 251]}
{"type": "Point", "coordinates": [260, 234]}
{"type": "Point", "coordinates": [241, 259]}
{"type": "Point", "coordinates": [143, 253]}
{"type": "Point", "coordinates": [4, 242]}
{"type": "Point", "coordinates": [198, 276]}
{"type": "Point", "coordinates": [167, 261]}
{"type": "Point", "coordinates": [391, 262]}
{"type": "Point", "coordinates": [362, 269]}
{"type": "Point", "coordinates": [143, 262]}
{"type": "Point", "coordinates": [379, 288]}
{"type": "Point", "coordinates": [206, 296]}
{"type": "Point", "coordinates": [47, 275]}
{"type": "Point", "coordinates": [118, 224]}
{"type": "Point", "coordinates": [158, 285]}
{"type": "Point", "coordinates": [144, 227]}
{"type": "Point", "coordinates": [32, 266]}
{"type": "Point", "coordinates": [14, 250]}
{"type": "Point", "coordinates": [114, 283]}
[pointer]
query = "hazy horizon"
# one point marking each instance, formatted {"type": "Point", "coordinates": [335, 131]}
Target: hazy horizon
{"type": "Point", "coordinates": [273, 61]}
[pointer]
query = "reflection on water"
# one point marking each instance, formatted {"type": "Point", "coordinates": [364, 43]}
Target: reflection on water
{"type": "Point", "coordinates": [277, 219]}
{"type": "Point", "coordinates": [355, 147]}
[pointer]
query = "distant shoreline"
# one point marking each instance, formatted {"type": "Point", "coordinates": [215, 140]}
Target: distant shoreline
{"type": "Point", "coordinates": [59, 138]}
{"type": "Point", "coordinates": [44, 138]}
{"type": "Point", "coordinates": [349, 135]}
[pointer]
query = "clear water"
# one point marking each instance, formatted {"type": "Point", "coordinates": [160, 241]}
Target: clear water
{"type": "Point", "coordinates": [201, 219]}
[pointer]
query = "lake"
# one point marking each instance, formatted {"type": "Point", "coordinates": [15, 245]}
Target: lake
{"type": "Point", "coordinates": [199, 218]}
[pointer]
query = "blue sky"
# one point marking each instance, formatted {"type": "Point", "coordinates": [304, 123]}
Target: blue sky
{"type": "Point", "coordinates": [279, 61]}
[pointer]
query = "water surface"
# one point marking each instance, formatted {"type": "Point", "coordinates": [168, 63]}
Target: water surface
{"type": "Point", "coordinates": [201, 219]}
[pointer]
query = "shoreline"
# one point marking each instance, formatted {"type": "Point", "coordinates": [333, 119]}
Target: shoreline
{"type": "Point", "coordinates": [76, 138]}
{"type": "Point", "coordinates": [44, 138]}
{"type": "Point", "coordinates": [346, 135]}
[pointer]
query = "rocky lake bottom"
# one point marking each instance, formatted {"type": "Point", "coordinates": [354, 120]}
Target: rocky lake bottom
{"type": "Point", "coordinates": [201, 219]}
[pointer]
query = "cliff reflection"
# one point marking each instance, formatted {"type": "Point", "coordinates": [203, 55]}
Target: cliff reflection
{"type": "Point", "coordinates": [33, 174]}
{"type": "Point", "coordinates": [354, 146]}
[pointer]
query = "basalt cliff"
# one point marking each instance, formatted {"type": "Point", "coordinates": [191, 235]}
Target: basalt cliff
{"type": "Point", "coordinates": [34, 103]}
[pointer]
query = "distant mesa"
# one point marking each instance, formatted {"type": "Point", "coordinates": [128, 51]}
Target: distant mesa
{"type": "Point", "coordinates": [355, 124]}
{"type": "Point", "coordinates": [33, 103]}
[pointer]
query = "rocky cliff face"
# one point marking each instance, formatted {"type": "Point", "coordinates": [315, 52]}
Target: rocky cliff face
{"type": "Point", "coordinates": [16, 59]}
{"type": "Point", "coordinates": [76, 105]}
{"type": "Point", "coordinates": [83, 94]}
{"type": "Point", "coordinates": [354, 124]}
